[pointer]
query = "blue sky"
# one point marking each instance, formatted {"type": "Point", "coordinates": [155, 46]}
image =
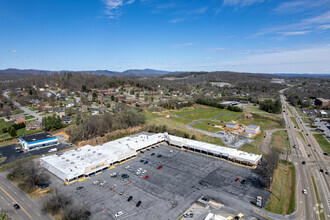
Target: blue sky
{"type": "Point", "coordinates": [265, 36]}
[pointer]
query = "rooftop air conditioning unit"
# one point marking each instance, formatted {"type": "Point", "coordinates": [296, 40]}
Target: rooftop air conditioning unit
{"type": "Point", "coordinates": [82, 158]}
{"type": "Point", "coordinates": [63, 158]}
{"type": "Point", "coordinates": [78, 156]}
{"type": "Point", "coordinates": [99, 153]}
{"type": "Point", "coordinates": [94, 152]}
{"type": "Point", "coordinates": [73, 154]}
{"type": "Point", "coordinates": [72, 162]}
{"type": "Point", "coordinates": [67, 160]}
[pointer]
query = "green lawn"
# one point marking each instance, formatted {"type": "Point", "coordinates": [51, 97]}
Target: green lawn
{"type": "Point", "coordinates": [33, 108]}
{"type": "Point", "coordinates": [302, 136]}
{"type": "Point", "coordinates": [293, 119]}
{"type": "Point", "coordinates": [253, 109]}
{"type": "Point", "coordinates": [211, 113]}
{"type": "Point", "coordinates": [282, 200]}
{"type": "Point", "coordinates": [4, 217]}
{"type": "Point", "coordinates": [206, 127]}
{"type": "Point", "coordinates": [23, 132]}
{"type": "Point", "coordinates": [254, 146]}
{"type": "Point", "coordinates": [181, 120]}
{"type": "Point", "coordinates": [28, 117]}
{"type": "Point", "coordinates": [325, 145]}
{"type": "Point", "coordinates": [280, 142]}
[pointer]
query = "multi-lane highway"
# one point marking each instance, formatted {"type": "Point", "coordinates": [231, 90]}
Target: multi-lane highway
{"type": "Point", "coordinates": [314, 162]}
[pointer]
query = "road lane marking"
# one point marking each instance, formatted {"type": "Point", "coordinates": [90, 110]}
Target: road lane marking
{"type": "Point", "coordinates": [15, 201]}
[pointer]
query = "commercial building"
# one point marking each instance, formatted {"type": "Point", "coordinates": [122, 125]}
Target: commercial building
{"type": "Point", "coordinates": [232, 124]}
{"type": "Point", "coordinates": [40, 140]}
{"type": "Point", "coordinates": [88, 160]}
{"type": "Point", "coordinates": [321, 102]}
{"type": "Point", "coordinates": [252, 129]}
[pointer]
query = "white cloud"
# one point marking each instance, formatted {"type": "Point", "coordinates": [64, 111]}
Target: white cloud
{"type": "Point", "coordinates": [13, 51]}
{"type": "Point", "coordinates": [184, 45]}
{"type": "Point", "coordinates": [198, 11]}
{"type": "Point", "coordinates": [297, 6]}
{"type": "Point", "coordinates": [293, 33]}
{"type": "Point", "coordinates": [307, 60]}
{"type": "Point", "coordinates": [240, 2]}
{"type": "Point", "coordinates": [176, 20]}
{"type": "Point", "coordinates": [112, 7]}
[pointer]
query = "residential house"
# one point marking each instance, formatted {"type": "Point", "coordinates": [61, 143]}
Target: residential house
{"type": "Point", "coordinates": [18, 118]}
{"type": "Point", "coordinates": [129, 101]}
{"type": "Point", "coordinates": [143, 104]}
{"type": "Point", "coordinates": [95, 111]}
{"type": "Point", "coordinates": [69, 104]}
{"type": "Point", "coordinates": [84, 108]}
{"type": "Point", "coordinates": [89, 97]}
{"type": "Point", "coordinates": [60, 112]}
{"type": "Point", "coordinates": [66, 119]}
{"type": "Point", "coordinates": [34, 125]}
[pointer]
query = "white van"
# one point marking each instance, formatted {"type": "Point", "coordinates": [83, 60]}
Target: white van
{"type": "Point", "coordinates": [52, 150]}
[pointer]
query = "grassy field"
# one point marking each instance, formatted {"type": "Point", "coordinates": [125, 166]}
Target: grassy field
{"type": "Point", "coordinates": [280, 142]}
{"type": "Point", "coordinates": [302, 136]}
{"type": "Point", "coordinates": [181, 120]}
{"type": "Point", "coordinates": [206, 127]}
{"type": "Point", "coordinates": [28, 117]}
{"type": "Point", "coordinates": [213, 122]}
{"type": "Point", "coordinates": [254, 146]}
{"type": "Point", "coordinates": [253, 109]}
{"type": "Point", "coordinates": [155, 119]}
{"type": "Point", "coordinates": [185, 111]}
{"type": "Point", "coordinates": [325, 145]}
{"type": "Point", "coordinates": [293, 119]}
{"type": "Point", "coordinates": [282, 200]}
{"type": "Point", "coordinates": [4, 217]}
{"type": "Point", "coordinates": [33, 109]}
{"type": "Point", "coordinates": [321, 214]}
{"type": "Point", "coordinates": [211, 113]}
{"type": "Point", "coordinates": [263, 123]}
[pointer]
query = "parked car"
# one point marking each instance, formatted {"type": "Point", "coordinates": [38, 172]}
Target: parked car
{"type": "Point", "coordinates": [304, 162]}
{"type": "Point", "coordinates": [79, 187]}
{"type": "Point", "coordinates": [124, 176]}
{"type": "Point", "coordinates": [321, 170]}
{"type": "Point", "coordinates": [159, 156]}
{"type": "Point", "coordinates": [160, 167]}
{"type": "Point", "coordinates": [102, 183]}
{"type": "Point", "coordinates": [52, 150]}
{"type": "Point", "coordinates": [16, 206]}
{"type": "Point", "coordinates": [141, 161]}
{"type": "Point", "coordinates": [121, 193]}
{"type": "Point", "coordinates": [138, 204]}
{"type": "Point", "coordinates": [304, 191]}
{"type": "Point", "coordinates": [152, 154]}
{"type": "Point", "coordinates": [237, 179]}
{"type": "Point", "coordinates": [146, 162]}
{"type": "Point", "coordinates": [243, 181]}
{"type": "Point", "coordinates": [144, 171]}
{"type": "Point", "coordinates": [127, 167]}
{"type": "Point", "coordinates": [118, 214]}
{"type": "Point", "coordinates": [188, 215]}
{"type": "Point", "coordinates": [129, 198]}
{"type": "Point", "coordinates": [146, 177]}
{"type": "Point", "coordinates": [96, 182]}
{"type": "Point", "coordinates": [326, 154]}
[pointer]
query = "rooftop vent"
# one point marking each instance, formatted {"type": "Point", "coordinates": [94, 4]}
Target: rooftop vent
{"type": "Point", "coordinates": [82, 158]}
{"type": "Point", "coordinates": [63, 158]}
{"type": "Point", "coordinates": [73, 154]}
{"type": "Point", "coordinates": [72, 162]}
{"type": "Point", "coordinates": [67, 160]}
{"type": "Point", "coordinates": [94, 152]}
{"type": "Point", "coordinates": [78, 156]}
{"type": "Point", "coordinates": [89, 149]}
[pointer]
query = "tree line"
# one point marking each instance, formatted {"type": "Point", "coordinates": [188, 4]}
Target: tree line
{"type": "Point", "coordinates": [271, 106]}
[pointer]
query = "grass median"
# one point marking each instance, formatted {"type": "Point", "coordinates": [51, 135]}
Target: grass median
{"type": "Point", "coordinates": [320, 213]}
{"type": "Point", "coordinates": [325, 145]}
{"type": "Point", "coordinates": [293, 119]}
{"type": "Point", "coordinates": [283, 198]}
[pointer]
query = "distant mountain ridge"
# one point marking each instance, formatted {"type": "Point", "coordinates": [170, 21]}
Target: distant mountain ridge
{"type": "Point", "coordinates": [20, 72]}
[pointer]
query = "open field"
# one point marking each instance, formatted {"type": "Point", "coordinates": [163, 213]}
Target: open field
{"type": "Point", "coordinates": [293, 119]}
{"type": "Point", "coordinates": [264, 124]}
{"type": "Point", "coordinates": [181, 120]}
{"type": "Point", "coordinates": [307, 120]}
{"type": "Point", "coordinates": [155, 119]}
{"type": "Point", "coordinates": [186, 111]}
{"type": "Point", "coordinates": [212, 113]}
{"type": "Point", "coordinates": [254, 146]}
{"type": "Point", "coordinates": [169, 191]}
{"type": "Point", "coordinates": [213, 122]}
{"type": "Point", "coordinates": [206, 127]}
{"type": "Point", "coordinates": [282, 200]}
{"type": "Point", "coordinates": [253, 109]}
{"type": "Point", "coordinates": [280, 142]}
{"type": "Point", "coordinates": [325, 145]}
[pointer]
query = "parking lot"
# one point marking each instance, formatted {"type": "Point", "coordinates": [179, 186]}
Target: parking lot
{"type": "Point", "coordinates": [183, 178]}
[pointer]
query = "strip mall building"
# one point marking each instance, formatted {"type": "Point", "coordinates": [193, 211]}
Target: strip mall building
{"type": "Point", "coordinates": [88, 160]}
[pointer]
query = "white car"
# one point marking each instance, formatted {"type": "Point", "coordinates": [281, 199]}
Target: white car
{"type": "Point", "coordinates": [144, 171]}
{"type": "Point", "coordinates": [138, 173]}
{"type": "Point", "coordinates": [102, 183]}
{"type": "Point", "coordinates": [118, 214]}
{"type": "Point", "coordinates": [96, 182]}
{"type": "Point", "coordinates": [139, 169]}
{"type": "Point", "coordinates": [304, 191]}
{"type": "Point", "coordinates": [127, 167]}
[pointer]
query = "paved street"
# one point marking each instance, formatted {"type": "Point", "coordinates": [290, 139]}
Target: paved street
{"type": "Point", "coordinates": [10, 194]}
{"type": "Point", "coordinates": [26, 110]}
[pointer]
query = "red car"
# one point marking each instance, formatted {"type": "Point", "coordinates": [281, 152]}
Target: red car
{"type": "Point", "coordinates": [236, 179]}
{"type": "Point", "coordinates": [160, 167]}
{"type": "Point", "coordinates": [146, 177]}
{"type": "Point", "coordinates": [186, 151]}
